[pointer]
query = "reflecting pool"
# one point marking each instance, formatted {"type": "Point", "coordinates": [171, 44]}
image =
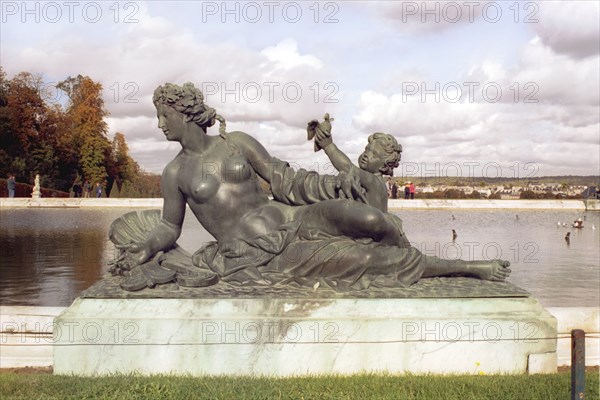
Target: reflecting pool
{"type": "Point", "coordinates": [48, 256]}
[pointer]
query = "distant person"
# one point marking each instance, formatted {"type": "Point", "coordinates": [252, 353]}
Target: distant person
{"type": "Point", "coordinates": [87, 189]}
{"type": "Point", "coordinates": [77, 189]}
{"type": "Point", "coordinates": [394, 190]}
{"type": "Point", "coordinates": [412, 190]}
{"type": "Point", "coordinates": [11, 185]}
{"type": "Point", "coordinates": [98, 190]}
{"type": "Point", "coordinates": [407, 190]}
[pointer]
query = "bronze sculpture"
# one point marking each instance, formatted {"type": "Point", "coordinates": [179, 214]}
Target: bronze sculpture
{"type": "Point", "coordinates": [317, 228]}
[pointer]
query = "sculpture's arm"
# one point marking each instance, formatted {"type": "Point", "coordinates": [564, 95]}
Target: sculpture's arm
{"type": "Point", "coordinates": [342, 163]}
{"type": "Point", "coordinates": [166, 233]}
{"type": "Point", "coordinates": [173, 210]}
{"type": "Point", "coordinates": [338, 158]}
{"type": "Point", "coordinates": [290, 186]}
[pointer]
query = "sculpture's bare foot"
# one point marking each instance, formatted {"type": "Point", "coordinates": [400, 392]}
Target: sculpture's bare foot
{"type": "Point", "coordinates": [494, 270]}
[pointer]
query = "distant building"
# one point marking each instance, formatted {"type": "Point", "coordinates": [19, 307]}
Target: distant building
{"type": "Point", "coordinates": [509, 195]}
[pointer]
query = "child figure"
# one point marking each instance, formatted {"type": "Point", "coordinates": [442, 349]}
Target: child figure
{"type": "Point", "coordinates": [381, 156]}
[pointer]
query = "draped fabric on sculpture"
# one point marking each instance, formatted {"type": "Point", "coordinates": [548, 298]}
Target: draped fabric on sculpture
{"type": "Point", "coordinates": [299, 187]}
{"type": "Point", "coordinates": [282, 256]}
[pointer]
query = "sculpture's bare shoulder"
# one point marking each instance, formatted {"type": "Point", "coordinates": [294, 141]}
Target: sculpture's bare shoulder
{"type": "Point", "coordinates": [243, 139]}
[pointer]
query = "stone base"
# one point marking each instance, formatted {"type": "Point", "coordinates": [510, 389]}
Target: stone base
{"type": "Point", "coordinates": [26, 336]}
{"type": "Point", "coordinates": [279, 337]}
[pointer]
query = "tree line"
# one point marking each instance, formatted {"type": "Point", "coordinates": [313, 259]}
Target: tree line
{"type": "Point", "coordinates": [65, 144]}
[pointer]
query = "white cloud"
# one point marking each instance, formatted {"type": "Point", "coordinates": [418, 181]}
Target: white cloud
{"type": "Point", "coordinates": [560, 78]}
{"type": "Point", "coordinates": [570, 27]}
{"type": "Point", "coordinates": [285, 55]}
{"type": "Point", "coordinates": [409, 116]}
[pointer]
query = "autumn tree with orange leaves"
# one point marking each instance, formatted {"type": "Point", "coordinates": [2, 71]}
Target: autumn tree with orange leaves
{"type": "Point", "coordinates": [64, 145]}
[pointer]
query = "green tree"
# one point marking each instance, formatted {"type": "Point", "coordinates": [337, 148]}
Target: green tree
{"type": "Point", "coordinates": [454, 194]}
{"type": "Point", "coordinates": [57, 129]}
{"type": "Point", "coordinates": [123, 168]}
{"type": "Point", "coordinates": [114, 191]}
{"type": "Point", "coordinates": [474, 195]}
{"type": "Point", "coordinates": [528, 194]}
{"type": "Point", "coordinates": [85, 115]}
{"type": "Point", "coordinates": [148, 185]}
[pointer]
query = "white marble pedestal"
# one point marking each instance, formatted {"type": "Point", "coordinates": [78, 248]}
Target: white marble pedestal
{"type": "Point", "coordinates": [284, 337]}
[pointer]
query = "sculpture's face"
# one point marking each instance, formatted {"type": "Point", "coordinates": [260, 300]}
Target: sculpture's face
{"type": "Point", "coordinates": [171, 122]}
{"type": "Point", "coordinates": [372, 159]}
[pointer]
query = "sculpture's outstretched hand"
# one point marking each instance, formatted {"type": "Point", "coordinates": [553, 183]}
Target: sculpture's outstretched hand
{"type": "Point", "coordinates": [323, 138]}
{"type": "Point", "coordinates": [320, 132]}
{"type": "Point", "coordinates": [348, 186]}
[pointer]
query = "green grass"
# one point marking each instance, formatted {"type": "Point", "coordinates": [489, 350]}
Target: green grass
{"type": "Point", "coordinates": [46, 386]}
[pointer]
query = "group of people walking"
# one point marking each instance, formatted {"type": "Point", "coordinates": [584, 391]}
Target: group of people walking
{"type": "Point", "coordinates": [409, 190]}
{"type": "Point", "coordinates": [85, 190]}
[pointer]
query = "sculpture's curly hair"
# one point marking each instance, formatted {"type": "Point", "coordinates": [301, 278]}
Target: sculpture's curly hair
{"type": "Point", "coordinates": [392, 151]}
{"type": "Point", "coordinates": [189, 101]}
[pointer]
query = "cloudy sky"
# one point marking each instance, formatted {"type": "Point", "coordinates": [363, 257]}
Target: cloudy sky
{"type": "Point", "coordinates": [472, 88]}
